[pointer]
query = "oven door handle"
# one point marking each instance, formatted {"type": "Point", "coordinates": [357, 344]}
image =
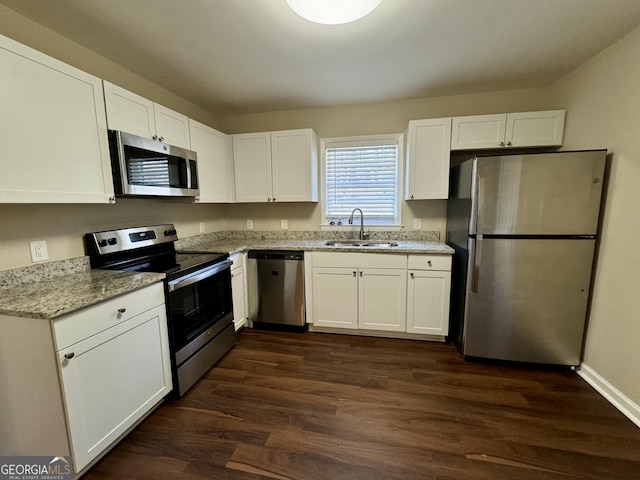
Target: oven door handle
{"type": "Point", "coordinates": [199, 275]}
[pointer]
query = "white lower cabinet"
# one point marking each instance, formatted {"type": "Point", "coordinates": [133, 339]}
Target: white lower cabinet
{"type": "Point", "coordinates": [359, 291]}
{"type": "Point", "coordinates": [428, 290]}
{"type": "Point", "coordinates": [113, 367]}
{"type": "Point", "coordinates": [335, 297]}
{"type": "Point", "coordinates": [239, 290]}
{"type": "Point", "coordinates": [382, 292]}
{"type": "Point", "coordinates": [113, 377]}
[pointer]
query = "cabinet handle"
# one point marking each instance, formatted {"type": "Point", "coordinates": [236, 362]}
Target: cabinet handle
{"type": "Point", "coordinates": [112, 199]}
{"type": "Point", "coordinates": [361, 274]}
{"type": "Point", "coordinates": [509, 144]}
{"type": "Point", "coordinates": [69, 355]}
{"type": "Point", "coordinates": [161, 139]}
{"type": "Point", "coordinates": [412, 275]}
{"type": "Point", "coordinates": [429, 263]}
{"type": "Point", "coordinates": [502, 144]}
{"type": "Point", "coordinates": [274, 199]}
{"type": "Point", "coordinates": [122, 310]}
{"type": "Point", "coordinates": [411, 197]}
{"type": "Point", "coordinates": [155, 137]}
{"type": "Point", "coordinates": [269, 199]}
{"type": "Point", "coordinates": [354, 273]}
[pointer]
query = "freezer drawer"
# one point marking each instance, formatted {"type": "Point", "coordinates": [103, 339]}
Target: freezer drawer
{"type": "Point", "coordinates": [527, 299]}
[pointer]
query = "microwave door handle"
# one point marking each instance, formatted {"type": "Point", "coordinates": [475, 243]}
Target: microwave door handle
{"type": "Point", "coordinates": [187, 165]}
{"type": "Point", "coordinates": [198, 276]}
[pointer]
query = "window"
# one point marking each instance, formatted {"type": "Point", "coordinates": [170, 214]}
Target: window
{"type": "Point", "coordinates": [362, 172]}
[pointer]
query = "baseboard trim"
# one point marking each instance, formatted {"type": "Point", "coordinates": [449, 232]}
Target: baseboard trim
{"type": "Point", "coordinates": [618, 399]}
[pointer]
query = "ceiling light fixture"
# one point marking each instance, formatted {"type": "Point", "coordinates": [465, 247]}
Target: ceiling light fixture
{"type": "Point", "coordinates": [333, 12]}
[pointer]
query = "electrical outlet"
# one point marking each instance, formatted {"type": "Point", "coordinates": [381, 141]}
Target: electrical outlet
{"type": "Point", "coordinates": [39, 251]}
{"type": "Point", "coordinates": [201, 227]}
{"type": "Point", "coordinates": [284, 224]}
{"type": "Point", "coordinates": [417, 223]}
{"type": "Point", "coordinates": [249, 224]}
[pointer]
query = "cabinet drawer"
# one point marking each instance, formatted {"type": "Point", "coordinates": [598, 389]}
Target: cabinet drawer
{"type": "Point", "coordinates": [359, 260]}
{"type": "Point", "coordinates": [430, 262]}
{"type": "Point", "coordinates": [97, 318]}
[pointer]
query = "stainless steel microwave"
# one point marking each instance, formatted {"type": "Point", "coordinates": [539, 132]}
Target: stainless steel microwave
{"type": "Point", "coordinates": [146, 167]}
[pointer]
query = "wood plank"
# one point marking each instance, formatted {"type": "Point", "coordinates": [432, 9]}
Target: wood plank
{"type": "Point", "coordinates": [291, 406]}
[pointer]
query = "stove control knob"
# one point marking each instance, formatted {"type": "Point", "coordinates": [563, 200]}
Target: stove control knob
{"type": "Point", "coordinates": [112, 241]}
{"type": "Point", "coordinates": [102, 243]}
{"type": "Point", "coordinates": [168, 233]}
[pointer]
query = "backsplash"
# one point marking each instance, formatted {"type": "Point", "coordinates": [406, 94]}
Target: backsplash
{"type": "Point", "coordinates": [424, 236]}
{"type": "Point", "coordinates": [43, 271]}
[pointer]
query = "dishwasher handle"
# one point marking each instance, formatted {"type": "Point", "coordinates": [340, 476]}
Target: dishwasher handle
{"type": "Point", "coordinates": [276, 255]}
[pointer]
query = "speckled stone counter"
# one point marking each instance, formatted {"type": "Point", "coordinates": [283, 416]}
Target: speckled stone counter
{"type": "Point", "coordinates": [233, 242]}
{"type": "Point", "coordinates": [55, 291]}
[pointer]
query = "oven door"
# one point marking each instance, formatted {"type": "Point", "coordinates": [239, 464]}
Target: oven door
{"type": "Point", "coordinates": [200, 307]}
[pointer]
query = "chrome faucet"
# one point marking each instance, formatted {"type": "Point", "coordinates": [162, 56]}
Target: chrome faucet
{"type": "Point", "coordinates": [361, 221]}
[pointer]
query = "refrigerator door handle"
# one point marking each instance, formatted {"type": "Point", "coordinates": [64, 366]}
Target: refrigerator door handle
{"type": "Point", "coordinates": [480, 204]}
{"type": "Point", "coordinates": [477, 259]}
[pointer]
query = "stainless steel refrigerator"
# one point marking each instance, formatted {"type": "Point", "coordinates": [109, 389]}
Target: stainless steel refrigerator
{"type": "Point", "coordinates": [524, 229]}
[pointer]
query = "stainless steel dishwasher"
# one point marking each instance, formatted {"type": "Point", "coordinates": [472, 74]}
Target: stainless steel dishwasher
{"type": "Point", "coordinates": [276, 289]}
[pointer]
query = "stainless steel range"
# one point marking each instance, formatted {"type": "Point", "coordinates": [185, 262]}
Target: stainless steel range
{"type": "Point", "coordinates": [197, 291]}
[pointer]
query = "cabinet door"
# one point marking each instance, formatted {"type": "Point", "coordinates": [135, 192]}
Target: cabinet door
{"type": "Point", "coordinates": [252, 166]}
{"type": "Point", "coordinates": [215, 163]}
{"type": "Point", "coordinates": [294, 165]}
{"type": "Point", "coordinates": [238, 291]}
{"type": "Point", "coordinates": [428, 152]}
{"type": "Point", "coordinates": [383, 299]}
{"type": "Point", "coordinates": [479, 131]}
{"type": "Point", "coordinates": [335, 297]}
{"type": "Point", "coordinates": [172, 127]}
{"type": "Point", "coordinates": [428, 302]}
{"type": "Point", "coordinates": [113, 379]}
{"type": "Point", "coordinates": [533, 129]}
{"type": "Point", "coordinates": [53, 131]}
{"type": "Point", "coordinates": [129, 112]}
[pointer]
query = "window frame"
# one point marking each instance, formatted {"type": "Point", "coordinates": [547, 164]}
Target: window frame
{"type": "Point", "coordinates": [363, 140]}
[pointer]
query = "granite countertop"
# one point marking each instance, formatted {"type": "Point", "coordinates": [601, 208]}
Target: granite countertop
{"type": "Point", "coordinates": [232, 246]}
{"type": "Point", "coordinates": [58, 296]}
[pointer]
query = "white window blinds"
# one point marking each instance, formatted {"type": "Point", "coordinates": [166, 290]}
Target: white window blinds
{"type": "Point", "coordinates": [362, 175]}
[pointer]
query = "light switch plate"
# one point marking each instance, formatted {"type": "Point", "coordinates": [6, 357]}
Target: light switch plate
{"type": "Point", "coordinates": [201, 227]}
{"type": "Point", "coordinates": [249, 224]}
{"type": "Point", "coordinates": [417, 223]}
{"type": "Point", "coordinates": [39, 251]}
{"type": "Point", "coordinates": [284, 224]}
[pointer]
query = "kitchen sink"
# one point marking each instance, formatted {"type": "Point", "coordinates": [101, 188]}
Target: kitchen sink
{"type": "Point", "coordinates": [359, 243]}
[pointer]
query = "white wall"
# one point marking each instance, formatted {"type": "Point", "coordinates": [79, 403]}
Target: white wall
{"type": "Point", "coordinates": [603, 101]}
{"type": "Point", "coordinates": [369, 119]}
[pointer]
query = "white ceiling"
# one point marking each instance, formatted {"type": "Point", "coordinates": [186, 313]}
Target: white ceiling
{"type": "Point", "coordinates": [241, 56]}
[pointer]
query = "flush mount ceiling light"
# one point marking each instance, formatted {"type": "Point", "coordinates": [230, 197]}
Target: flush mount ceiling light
{"type": "Point", "coordinates": [333, 12]}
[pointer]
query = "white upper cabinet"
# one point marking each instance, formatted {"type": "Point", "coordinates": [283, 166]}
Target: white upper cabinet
{"type": "Point", "coordinates": [53, 131]}
{"type": "Point", "coordinates": [277, 166]}
{"type": "Point", "coordinates": [294, 165]}
{"type": "Point", "coordinates": [252, 165]}
{"type": "Point", "coordinates": [428, 152]}
{"type": "Point", "coordinates": [533, 129]}
{"type": "Point", "coordinates": [134, 114]}
{"type": "Point", "coordinates": [215, 163]}
{"type": "Point", "coordinates": [526, 129]}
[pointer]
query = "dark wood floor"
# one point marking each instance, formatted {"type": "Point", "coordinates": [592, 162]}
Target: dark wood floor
{"type": "Point", "coordinates": [328, 407]}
